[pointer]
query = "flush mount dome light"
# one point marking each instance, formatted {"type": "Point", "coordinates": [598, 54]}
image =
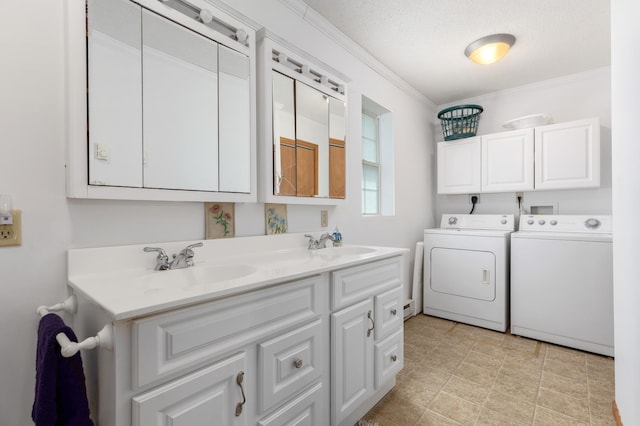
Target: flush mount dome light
{"type": "Point", "coordinates": [489, 49]}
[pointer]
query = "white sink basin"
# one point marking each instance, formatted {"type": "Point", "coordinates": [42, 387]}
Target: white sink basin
{"type": "Point", "coordinates": [198, 276]}
{"type": "Point", "coordinates": [334, 252]}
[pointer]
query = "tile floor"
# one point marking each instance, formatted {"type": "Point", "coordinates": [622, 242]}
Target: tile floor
{"type": "Point", "coordinates": [457, 374]}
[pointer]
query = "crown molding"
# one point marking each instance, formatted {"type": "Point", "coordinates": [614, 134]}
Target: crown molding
{"type": "Point", "coordinates": [330, 31]}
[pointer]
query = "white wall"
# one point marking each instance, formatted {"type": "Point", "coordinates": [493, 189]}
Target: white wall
{"type": "Point", "coordinates": [568, 98]}
{"type": "Point", "coordinates": [32, 160]}
{"type": "Point", "coordinates": [625, 66]}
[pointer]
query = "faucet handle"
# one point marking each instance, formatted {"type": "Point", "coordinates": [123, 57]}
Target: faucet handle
{"type": "Point", "coordinates": [312, 241]}
{"type": "Point", "coordinates": [162, 261]}
{"type": "Point", "coordinates": [192, 246]}
{"type": "Point", "coordinates": [188, 252]}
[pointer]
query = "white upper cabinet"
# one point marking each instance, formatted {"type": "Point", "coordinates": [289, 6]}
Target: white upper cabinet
{"type": "Point", "coordinates": [507, 161]}
{"type": "Point", "coordinates": [556, 156]}
{"type": "Point", "coordinates": [568, 155]}
{"type": "Point", "coordinates": [459, 166]}
{"type": "Point", "coordinates": [161, 103]}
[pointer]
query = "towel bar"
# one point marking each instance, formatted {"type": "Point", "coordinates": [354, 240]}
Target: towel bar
{"type": "Point", "coordinates": [103, 339]}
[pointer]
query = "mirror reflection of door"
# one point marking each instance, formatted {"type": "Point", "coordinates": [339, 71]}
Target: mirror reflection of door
{"type": "Point", "coordinates": [284, 135]}
{"type": "Point", "coordinates": [312, 141]}
{"type": "Point", "coordinates": [337, 153]}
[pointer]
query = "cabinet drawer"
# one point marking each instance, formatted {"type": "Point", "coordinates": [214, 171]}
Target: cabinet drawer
{"type": "Point", "coordinates": [306, 409]}
{"type": "Point", "coordinates": [389, 357]}
{"type": "Point", "coordinates": [181, 341]}
{"type": "Point", "coordinates": [354, 284]}
{"type": "Point", "coordinates": [288, 363]}
{"type": "Point", "coordinates": [388, 312]}
{"type": "Point", "coordinates": [210, 393]}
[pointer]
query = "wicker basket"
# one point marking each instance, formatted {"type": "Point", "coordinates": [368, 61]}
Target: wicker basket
{"type": "Point", "coordinates": [460, 121]}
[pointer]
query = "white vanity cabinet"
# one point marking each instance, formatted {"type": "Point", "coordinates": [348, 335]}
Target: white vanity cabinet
{"type": "Point", "coordinates": [366, 337]}
{"type": "Point", "coordinates": [316, 341]}
{"type": "Point", "coordinates": [555, 156]}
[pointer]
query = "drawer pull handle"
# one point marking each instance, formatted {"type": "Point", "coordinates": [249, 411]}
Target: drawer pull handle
{"type": "Point", "coordinates": [373, 324]}
{"type": "Point", "coordinates": [394, 358]}
{"type": "Point", "coordinates": [394, 312]}
{"type": "Point", "coordinates": [297, 363]}
{"type": "Point", "coordinates": [239, 380]}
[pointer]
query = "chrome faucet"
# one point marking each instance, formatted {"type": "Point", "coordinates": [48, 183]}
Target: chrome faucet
{"type": "Point", "coordinates": [184, 259]}
{"type": "Point", "coordinates": [319, 243]}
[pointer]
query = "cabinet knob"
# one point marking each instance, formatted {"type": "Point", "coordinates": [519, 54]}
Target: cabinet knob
{"type": "Point", "coordinates": [394, 358]}
{"type": "Point", "coordinates": [394, 312]}
{"type": "Point", "coordinates": [297, 363]}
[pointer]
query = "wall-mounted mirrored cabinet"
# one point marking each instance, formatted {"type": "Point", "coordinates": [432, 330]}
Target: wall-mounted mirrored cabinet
{"type": "Point", "coordinates": [304, 125]}
{"type": "Point", "coordinates": [161, 102]}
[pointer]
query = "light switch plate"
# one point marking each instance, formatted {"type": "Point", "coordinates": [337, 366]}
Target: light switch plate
{"type": "Point", "coordinates": [11, 235]}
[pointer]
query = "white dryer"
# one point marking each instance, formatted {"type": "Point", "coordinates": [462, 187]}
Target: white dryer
{"type": "Point", "coordinates": [562, 281]}
{"type": "Point", "coordinates": [466, 269]}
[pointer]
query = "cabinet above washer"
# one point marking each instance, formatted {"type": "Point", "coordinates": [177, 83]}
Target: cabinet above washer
{"type": "Point", "coordinates": [555, 156]}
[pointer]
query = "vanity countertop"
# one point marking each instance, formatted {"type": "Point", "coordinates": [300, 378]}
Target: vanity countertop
{"type": "Point", "coordinates": [122, 282]}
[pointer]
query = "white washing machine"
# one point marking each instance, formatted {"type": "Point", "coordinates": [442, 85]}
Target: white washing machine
{"type": "Point", "coordinates": [562, 281]}
{"type": "Point", "coordinates": [466, 269]}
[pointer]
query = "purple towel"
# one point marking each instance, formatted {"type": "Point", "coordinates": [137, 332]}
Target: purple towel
{"type": "Point", "coordinates": [61, 395]}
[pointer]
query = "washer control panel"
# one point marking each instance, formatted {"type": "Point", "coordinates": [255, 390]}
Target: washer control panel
{"type": "Point", "coordinates": [504, 222]}
{"type": "Point", "coordinates": [566, 223]}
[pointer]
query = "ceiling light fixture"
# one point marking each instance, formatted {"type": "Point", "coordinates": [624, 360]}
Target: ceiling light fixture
{"type": "Point", "coordinates": [489, 49]}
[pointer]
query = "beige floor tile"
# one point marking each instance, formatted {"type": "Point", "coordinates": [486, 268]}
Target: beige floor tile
{"type": "Point", "coordinates": [523, 390]}
{"type": "Point", "coordinates": [430, 418]}
{"type": "Point", "coordinates": [564, 404]}
{"type": "Point", "coordinates": [602, 413]}
{"type": "Point", "coordinates": [490, 348]}
{"type": "Point", "coordinates": [571, 371]}
{"type": "Point", "coordinates": [507, 404]}
{"type": "Point", "coordinates": [374, 419]}
{"type": "Point", "coordinates": [546, 417]}
{"type": "Point", "coordinates": [476, 374]}
{"type": "Point", "coordinates": [485, 361]}
{"type": "Point", "coordinates": [418, 390]}
{"type": "Point", "coordinates": [490, 336]}
{"type": "Point", "coordinates": [599, 391]}
{"type": "Point", "coordinates": [520, 344]}
{"type": "Point", "coordinates": [489, 417]}
{"type": "Point", "coordinates": [575, 388]}
{"type": "Point", "coordinates": [455, 408]}
{"type": "Point", "coordinates": [521, 371]}
{"type": "Point", "coordinates": [398, 409]}
{"type": "Point", "coordinates": [467, 390]}
{"type": "Point", "coordinates": [566, 355]}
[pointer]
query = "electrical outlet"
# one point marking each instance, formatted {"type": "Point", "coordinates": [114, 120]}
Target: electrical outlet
{"type": "Point", "coordinates": [324, 218]}
{"type": "Point", "coordinates": [11, 235]}
{"type": "Point", "coordinates": [477, 198]}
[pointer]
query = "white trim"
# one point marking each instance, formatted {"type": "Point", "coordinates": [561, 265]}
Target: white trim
{"type": "Point", "coordinates": [330, 31]}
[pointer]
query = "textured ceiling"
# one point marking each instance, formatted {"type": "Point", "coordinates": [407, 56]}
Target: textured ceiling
{"type": "Point", "coordinates": [423, 41]}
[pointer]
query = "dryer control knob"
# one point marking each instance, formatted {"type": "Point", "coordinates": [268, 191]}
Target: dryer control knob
{"type": "Point", "coordinates": [541, 222]}
{"type": "Point", "coordinates": [453, 220]}
{"type": "Point", "coordinates": [592, 223]}
{"type": "Point", "coordinates": [503, 221]}
{"type": "Point", "coordinates": [530, 222]}
{"type": "Point", "coordinates": [554, 222]}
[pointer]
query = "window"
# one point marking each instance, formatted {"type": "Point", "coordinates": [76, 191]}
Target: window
{"type": "Point", "coordinates": [377, 160]}
{"type": "Point", "coordinates": [370, 165]}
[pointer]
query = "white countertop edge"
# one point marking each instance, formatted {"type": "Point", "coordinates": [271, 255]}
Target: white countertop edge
{"type": "Point", "coordinates": [91, 286]}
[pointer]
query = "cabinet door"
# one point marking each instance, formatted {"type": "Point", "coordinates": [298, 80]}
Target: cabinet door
{"type": "Point", "coordinates": [459, 166]}
{"type": "Point", "coordinates": [568, 155]}
{"type": "Point", "coordinates": [507, 161]}
{"type": "Point", "coordinates": [351, 359]}
{"type": "Point", "coordinates": [389, 358]}
{"type": "Point", "coordinates": [213, 393]}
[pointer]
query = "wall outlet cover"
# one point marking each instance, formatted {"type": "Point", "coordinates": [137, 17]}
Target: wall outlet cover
{"type": "Point", "coordinates": [11, 235]}
{"type": "Point", "coordinates": [324, 218]}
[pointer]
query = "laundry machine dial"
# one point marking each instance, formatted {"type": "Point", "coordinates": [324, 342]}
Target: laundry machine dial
{"type": "Point", "coordinates": [541, 222]}
{"type": "Point", "coordinates": [592, 223]}
{"type": "Point", "coordinates": [530, 222]}
{"type": "Point", "coordinates": [453, 220]}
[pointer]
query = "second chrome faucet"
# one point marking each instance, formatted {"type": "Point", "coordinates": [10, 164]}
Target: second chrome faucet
{"type": "Point", "coordinates": [184, 259]}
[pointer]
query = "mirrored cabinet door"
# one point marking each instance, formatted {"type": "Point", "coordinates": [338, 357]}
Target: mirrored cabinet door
{"type": "Point", "coordinates": [235, 118]}
{"type": "Point", "coordinates": [337, 150]}
{"type": "Point", "coordinates": [180, 106]}
{"type": "Point", "coordinates": [115, 94]}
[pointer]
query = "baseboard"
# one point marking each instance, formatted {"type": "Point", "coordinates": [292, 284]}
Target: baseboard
{"type": "Point", "coordinates": [616, 414]}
